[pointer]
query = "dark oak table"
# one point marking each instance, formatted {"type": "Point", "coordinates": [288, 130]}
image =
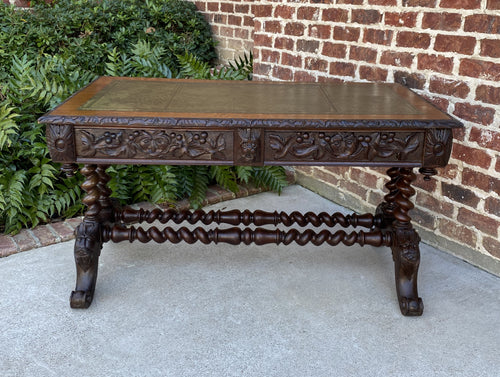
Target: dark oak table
{"type": "Point", "coordinates": [161, 121]}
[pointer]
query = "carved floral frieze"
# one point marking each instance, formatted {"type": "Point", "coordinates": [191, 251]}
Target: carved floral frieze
{"type": "Point", "coordinates": [153, 144]}
{"type": "Point", "coordinates": [351, 146]}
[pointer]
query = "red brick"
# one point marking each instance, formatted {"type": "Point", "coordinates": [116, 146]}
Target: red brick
{"type": "Point", "coordinates": [492, 246]}
{"type": "Point", "coordinates": [284, 43]}
{"type": "Point", "coordinates": [364, 177]}
{"type": "Point", "coordinates": [227, 7]}
{"type": "Point", "coordinates": [220, 19]}
{"type": "Point", "coordinates": [455, 43]}
{"type": "Point", "coordinates": [493, 4]}
{"type": "Point", "coordinates": [354, 188]}
{"type": "Point", "coordinates": [497, 165]}
{"type": "Point", "coordinates": [452, 88]}
{"type": "Point", "coordinates": [284, 11]}
{"type": "Point", "coordinates": [442, 21]}
{"type": "Point", "coordinates": [294, 28]}
{"type": "Point", "coordinates": [326, 176]}
{"type": "Point", "coordinates": [73, 222]}
{"type": "Point", "coordinates": [213, 7]}
{"type": "Point", "coordinates": [262, 10]}
{"type": "Point", "coordinates": [485, 138]}
{"type": "Point", "coordinates": [450, 171]}
{"type": "Point", "coordinates": [460, 4]}
{"type": "Point", "coordinates": [248, 21]}
{"type": "Point", "coordinates": [434, 204]}
{"type": "Point", "coordinates": [352, 2]}
{"type": "Point", "coordinates": [381, 37]}
{"type": "Point", "coordinates": [420, 3]}
{"type": "Point", "coordinates": [482, 23]}
{"type": "Point", "coordinates": [334, 50]}
{"type": "Point", "coordinates": [474, 113]}
{"type": "Point", "coordinates": [320, 31]}
{"type": "Point", "coordinates": [482, 223]}
{"type": "Point", "coordinates": [226, 31]}
{"type": "Point", "coordinates": [262, 40]}
{"type": "Point", "coordinates": [429, 186]}
{"type": "Point", "coordinates": [44, 235]}
{"type": "Point", "coordinates": [272, 27]}
{"type": "Point", "coordinates": [459, 134]}
{"type": "Point", "coordinates": [488, 94]}
{"type": "Point", "coordinates": [407, 19]}
{"type": "Point", "coordinates": [63, 231]}
{"type": "Point", "coordinates": [242, 8]}
{"type": "Point", "coordinates": [200, 5]}
{"type": "Point", "coordinates": [371, 73]}
{"type": "Point", "coordinates": [261, 69]}
{"type": "Point", "coordinates": [7, 246]}
{"type": "Point", "coordinates": [441, 103]}
{"type": "Point", "coordinates": [282, 73]}
{"type": "Point", "coordinates": [234, 20]}
{"type": "Point", "coordinates": [436, 63]}
{"type": "Point", "coordinates": [342, 69]}
{"type": "Point", "coordinates": [346, 33]}
{"type": "Point", "coordinates": [472, 156]}
{"type": "Point", "coordinates": [412, 39]}
{"type": "Point", "coordinates": [490, 47]}
{"type": "Point", "coordinates": [24, 240]}
{"type": "Point", "coordinates": [315, 64]}
{"type": "Point", "coordinates": [291, 60]}
{"type": "Point", "coordinates": [410, 80]}
{"type": "Point", "coordinates": [383, 2]}
{"type": "Point", "coordinates": [398, 59]}
{"type": "Point", "coordinates": [363, 53]}
{"type": "Point", "coordinates": [473, 178]}
{"type": "Point", "coordinates": [308, 13]}
{"type": "Point", "coordinates": [366, 16]}
{"type": "Point", "coordinates": [335, 15]}
{"type": "Point", "coordinates": [423, 218]}
{"type": "Point", "coordinates": [492, 205]}
{"type": "Point", "coordinates": [481, 69]}
{"type": "Point", "coordinates": [241, 33]}
{"type": "Point", "coordinates": [457, 232]}
{"type": "Point", "coordinates": [270, 56]}
{"type": "Point", "coordinates": [303, 76]}
{"type": "Point", "coordinates": [306, 45]}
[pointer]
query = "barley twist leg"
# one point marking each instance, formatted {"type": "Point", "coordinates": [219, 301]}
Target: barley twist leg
{"type": "Point", "coordinates": [89, 239]}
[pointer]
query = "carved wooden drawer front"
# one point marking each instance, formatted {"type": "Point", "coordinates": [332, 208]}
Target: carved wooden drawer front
{"type": "Point", "coordinates": [343, 146]}
{"type": "Point", "coordinates": [154, 144]}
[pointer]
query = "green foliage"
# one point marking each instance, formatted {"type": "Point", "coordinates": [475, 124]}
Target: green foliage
{"type": "Point", "coordinates": [193, 67]}
{"type": "Point", "coordinates": [51, 52]}
{"type": "Point", "coordinates": [86, 30]}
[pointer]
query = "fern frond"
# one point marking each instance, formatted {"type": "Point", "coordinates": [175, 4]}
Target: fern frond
{"type": "Point", "coordinates": [272, 177]}
{"type": "Point", "coordinates": [201, 181]}
{"type": "Point", "coordinates": [225, 176]}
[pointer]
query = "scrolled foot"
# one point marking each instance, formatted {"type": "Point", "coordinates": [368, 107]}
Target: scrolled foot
{"type": "Point", "coordinates": [88, 246]}
{"type": "Point", "coordinates": [80, 299]}
{"type": "Point", "coordinates": [411, 307]}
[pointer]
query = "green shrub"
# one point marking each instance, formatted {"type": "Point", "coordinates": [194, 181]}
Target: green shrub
{"type": "Point", "coordinates": [48, 54]}
{"type": "Point", "coordinates": [86, 30]}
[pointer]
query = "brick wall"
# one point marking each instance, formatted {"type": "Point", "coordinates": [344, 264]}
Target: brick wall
{"type": "Point", "coordinates": [445, 50]}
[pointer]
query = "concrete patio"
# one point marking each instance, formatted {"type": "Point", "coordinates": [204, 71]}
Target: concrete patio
{"type": "Point", "coordinates": [222, 310]}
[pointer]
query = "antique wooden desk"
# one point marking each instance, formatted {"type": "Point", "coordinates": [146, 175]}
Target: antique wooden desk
{"type": "Point", "coordinates": [161, 121]}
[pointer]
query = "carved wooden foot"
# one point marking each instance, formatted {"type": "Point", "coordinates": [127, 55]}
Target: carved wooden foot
{"type": "Point", "coordinates": [406, 255]}
{"type": "Point", "coordinates": [87, 250]}
{"type": "Point", "coordinates": [392, 216]}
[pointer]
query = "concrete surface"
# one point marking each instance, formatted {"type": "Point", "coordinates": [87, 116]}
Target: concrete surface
{"type": "Point", "coordinates": [195, 310]}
